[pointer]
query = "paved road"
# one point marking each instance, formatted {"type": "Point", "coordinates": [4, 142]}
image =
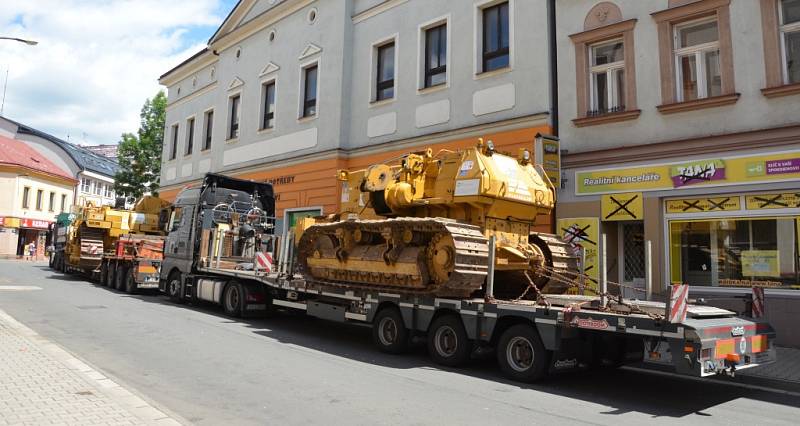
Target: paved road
{"type": "Point", "coordinates": [296, 370]}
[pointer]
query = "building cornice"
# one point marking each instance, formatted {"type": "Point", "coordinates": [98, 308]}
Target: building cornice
{"type": "Point", "coordinates": [260, 22]}
{"type": "Point", "coordinates": [201, 60]}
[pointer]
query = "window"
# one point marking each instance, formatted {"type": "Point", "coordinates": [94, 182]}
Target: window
{"type": "Point", "coordinates": [98, 188]}
{"type": "Point", "coordinates": [174, 149]}
{"type": "Point", "coordinates": [607, 77]}
{"type": "Point", "coordinates": [109, 192]}
{"type": "Point", "coordinates": [52, 205]}
{"type": "Point", "coordinates": [84, 185]}
{"type": "Point", "coordinates": [384, 88]}
{"type": "Point", "coordinates": [63, 202]}
{"type": "Point", "coordinates": [25, 195]}
{"type": "Point", "coordinates": [790, 39]}
{"type": "Point", "coordinates": [436, 56]}
{"type": "Point", "coordinates": [310, 91]}
{"type": "Point", "coordinates": [189, 136]}
{"type": "Point", "coordinates": [39, 195]}
{"type": "Point", "coordinates": [495, 37]}
{"type": "Point", "coordinates": [268, 118]}
{"type": "Point", "coordinates": [209, 127]}
{"type": "Point", "coordinates": [233, 130]}
{"type": "Point", "coordinates": [697, 60]}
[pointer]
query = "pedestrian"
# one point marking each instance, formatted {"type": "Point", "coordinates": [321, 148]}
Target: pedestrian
{"type": "Point", "coordinates": [33, 250]}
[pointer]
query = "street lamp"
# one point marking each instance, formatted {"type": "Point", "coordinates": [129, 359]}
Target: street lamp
{"type": "Point", "coordinates": [5, 83]}
{"type": "Point", "coordinates": [28, 42]}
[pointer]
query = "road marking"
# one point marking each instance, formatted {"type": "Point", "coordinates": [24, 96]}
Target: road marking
{"type": "Point", "coordinates": [19, 288]}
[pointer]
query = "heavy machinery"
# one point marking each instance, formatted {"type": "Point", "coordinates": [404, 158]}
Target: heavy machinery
{"type": "Point", "coordinates": [423, 226]}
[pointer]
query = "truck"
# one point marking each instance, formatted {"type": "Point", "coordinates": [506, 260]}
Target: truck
{"type": "Point", "coordinates": [358, 267]}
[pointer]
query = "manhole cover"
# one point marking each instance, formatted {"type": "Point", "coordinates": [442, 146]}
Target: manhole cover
{"type": "Point", "coordinates": [88, 307]}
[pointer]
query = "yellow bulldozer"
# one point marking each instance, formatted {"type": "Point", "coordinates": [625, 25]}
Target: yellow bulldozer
{"type": "Point", "coordinates": [422, 225]}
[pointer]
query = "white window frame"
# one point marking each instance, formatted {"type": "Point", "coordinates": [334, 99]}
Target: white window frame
{"type": "Point", "coordinates": [193, 133]}
{"type": "Point", "coordinates": [173, 138]}
{"type": "Point", "coordinates": [421, 60]}
{"type": "Point", "coordinates": [612, 88]}
{"type": "Point", "coordinates": [699, 51]}
{"type": "Point", "coordinates": [784, 29]}
{"type": "Point", "coordinates": [205, 129]}
{"type": "Point", "coordinates": [302, 89]}
{"type": "Point", "coordinates": [263, 106]}
{"type": "Point", "coordinates": [373, 68]}
{"type": "Point", "coordinates": [229, 114]}
{"type": "Point", "coordinates": [477, 38]}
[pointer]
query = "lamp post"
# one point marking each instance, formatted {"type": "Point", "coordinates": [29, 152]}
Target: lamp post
{"type": "Point", "coordinates": [5, 82]}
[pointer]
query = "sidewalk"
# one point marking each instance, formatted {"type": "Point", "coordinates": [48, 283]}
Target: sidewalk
{"type": "Point", "coordinates": [783, 374]}
{"type": "Point", "coordinates": [42, 383]}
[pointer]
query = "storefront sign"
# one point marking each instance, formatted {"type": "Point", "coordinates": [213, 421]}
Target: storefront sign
{"type": "Point", "coordinates": [34, 223]}
{"type": "Point", "coordinates": [694, 205]}
{"type": "Point", "coordinates": [772, 201]}
{"type": "Point", "coordinates": [9, 222]}
{"type": "Point", "coordinates": [622, 206]}
{"type": "Point", "coordinates": [761, 263]}
{"type": "Point", "coordinates": [583, 234]}
{"type": "Point", "coordinates": [709, 172]}
{"type": "Point", "coordinates": [548, 154]}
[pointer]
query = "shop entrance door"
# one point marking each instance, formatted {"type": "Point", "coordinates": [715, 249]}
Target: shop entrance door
{"type": "Point", "coordinates": [632, 268]}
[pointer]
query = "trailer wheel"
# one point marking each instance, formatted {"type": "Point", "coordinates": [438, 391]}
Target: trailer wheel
{"type": "Point", "coordinates": [51, 259]}
{"type": "Point", "coordinates": [111, 275]}
{"type": "Point", "coordinates": [104, 274]}
{"type": "Point", "coordinates": [174, 290]}
{"type": "Point", "coordinates": [119, 277]}
{"type": "Point", "coordinates": [448, 343]}
{"type": "Point", "coordinates": [233, 299]}
{"type": "Point", "coordinates": [521, 354]}
{"type": "Point", "coordinates": [130, 282]}
{"type": "Point", "coordinates": [389, 332]}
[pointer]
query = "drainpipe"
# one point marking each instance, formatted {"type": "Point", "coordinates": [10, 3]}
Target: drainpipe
{"type": "Point", "coordinates": [551, 29]}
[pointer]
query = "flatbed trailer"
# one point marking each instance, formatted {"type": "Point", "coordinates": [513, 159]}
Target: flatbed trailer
{"type": "Point", "coordinates": [133, 264]}
{"type": "Point", "coordinates": [531, 338]}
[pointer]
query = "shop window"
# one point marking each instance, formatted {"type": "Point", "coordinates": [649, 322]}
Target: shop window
{"type": "Point", "coordinates": [735, 252]}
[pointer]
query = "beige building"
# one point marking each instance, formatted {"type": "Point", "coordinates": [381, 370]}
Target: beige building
{"type": "Point", "coordinates": [33, 190]}
{"type": "Point", "coordinates": [682, 124]}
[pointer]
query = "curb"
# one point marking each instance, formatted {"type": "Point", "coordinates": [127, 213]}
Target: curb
{"type": "Point", "coordinates": [132, 403]}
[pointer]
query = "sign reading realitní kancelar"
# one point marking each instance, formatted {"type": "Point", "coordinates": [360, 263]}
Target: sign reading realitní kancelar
{"type": "Point", "coordinates": [691, 173]}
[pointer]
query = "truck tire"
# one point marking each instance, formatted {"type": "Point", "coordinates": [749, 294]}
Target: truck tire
{"type": "Point", "coordinates": [448, 343]}
{"type": "Point", "coordinates": [521, 354]}
{"type": "Point", "coordinates": [119, 277]}
{"type": "Point", "coordinates": [104, 274]}
{"type": "Point", "coordinates": [51, 260]}
{"type": "Point", "coordinates": [111, 275]}
{"type": "Point", "coordinates": [174, 290]}
{"type": "Point", "coordinates": [389, 331]}
{"type": "Point", "coordinates": [130, 282]}
{"type": "Point", "coordinates": [233, 299]}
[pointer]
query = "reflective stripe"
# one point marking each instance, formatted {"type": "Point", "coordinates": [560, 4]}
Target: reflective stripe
{"type": "Point", "coordinates": [288, 304]}
{"type": "Point", "coordinates": [354, 316]}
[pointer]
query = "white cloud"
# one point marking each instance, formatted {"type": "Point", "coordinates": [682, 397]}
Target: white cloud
{"type": "Point", "coordinates": [97, 60]}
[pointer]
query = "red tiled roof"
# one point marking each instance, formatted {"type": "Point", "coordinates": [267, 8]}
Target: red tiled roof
{"type": "Point", "coordinates": [17, 153]}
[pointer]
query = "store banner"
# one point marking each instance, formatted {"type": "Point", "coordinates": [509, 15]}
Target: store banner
{"type": "Point", "coordinates": [583, 234]}
{"type": "Point", "coordinates": [34, 223]}
{"type": "Point", "coordinates": [9, 222]}
{"type": "Point", "coordinates": [694, 205]}
{"type": "Point", "coordinates": [761, 263]}
{"type": "Point", "coordinates": [773, 201]}
{"type": "Point", "coordinates": [617, 207]}
{"type": "Point", "coordinates": [778, 167]}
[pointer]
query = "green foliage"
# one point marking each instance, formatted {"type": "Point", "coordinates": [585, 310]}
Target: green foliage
{"type": "Point", "coordinates": [139, 154]}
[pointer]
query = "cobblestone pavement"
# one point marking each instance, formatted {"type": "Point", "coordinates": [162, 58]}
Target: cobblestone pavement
{"type": "Point", "coordinates": [40, 383]}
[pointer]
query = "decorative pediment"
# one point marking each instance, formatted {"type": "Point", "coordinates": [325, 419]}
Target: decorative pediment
{"type": "Point", "coordinates": [269, 69]}
{"type": "Point", "coordinates": [310, 50]}
{"type": "Point", "coordinates": [236, 82]}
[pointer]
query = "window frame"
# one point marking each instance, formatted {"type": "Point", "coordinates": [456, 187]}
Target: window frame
{"type": "Point", "coordinates": [784, 29]}
{"type": "Point", "coordinates": [480, 38]}
{"type": "Point", "coordinates": [189, 145]}
{"type": "Point", "coordinates": [39, 199]}
{"type": "Point", "coordinates": [173, 153]}
{"type": "Point", "coordinates": [304, 102]}
{"type": "Point", "coordinates": [443, 28]}
{"type": "Point", "coordinates": [422, 53]}
{"type": "Point", "coordinates": [611, 81]}
{"type": "Point", "coordinates": [234, 100]}
{"type": "Point", "coordinates": [207, 131]}
{"type": "Point", "coordinates": [264, 113]}
{"type": "Point", "coordinates": [26, 194]}
{"type": "Point", "coordinates": [700, 52]}
{"type": "Point", "coordinates": [63, 202]}
{"type": "Point", "coordinates": [51, 202]}
{"type": "Point", "coordinates": [383, 85]}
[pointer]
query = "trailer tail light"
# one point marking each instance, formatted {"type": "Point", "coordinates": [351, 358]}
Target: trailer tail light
{"type": "Point", "coordinates": [725, 347]}
{"type": "Point", "coordinates": [688, 349]}
{"type": "Point", "coordinates": [759, 343]}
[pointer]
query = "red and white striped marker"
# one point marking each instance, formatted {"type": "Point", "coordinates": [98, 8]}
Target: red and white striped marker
{"type": "Point", "coordinates": [264, 261]}
{"type": "Point", "coordinates": [757, 309]}
{"type": "Point", "coordinates": [678, 303]}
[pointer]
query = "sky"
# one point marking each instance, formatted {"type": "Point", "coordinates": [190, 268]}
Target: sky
{"type": "Point", "coordinates": [97, 61]}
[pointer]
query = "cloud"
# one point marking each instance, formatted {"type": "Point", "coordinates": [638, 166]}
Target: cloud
{"type": "Point", "coordinates": [97, 60]}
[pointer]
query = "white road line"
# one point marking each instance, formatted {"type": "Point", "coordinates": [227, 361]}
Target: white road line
{"type": "Point", "coordinates": [19, 288]}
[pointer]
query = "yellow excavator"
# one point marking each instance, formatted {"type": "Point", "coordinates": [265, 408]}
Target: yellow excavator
{"type": "Point", "coordinates": [423, 225]}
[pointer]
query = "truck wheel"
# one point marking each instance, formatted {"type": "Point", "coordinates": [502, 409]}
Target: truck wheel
{"type": "Point", "coordinates": [104, 274]}
{"type": "Point", "coordinates": [130, 282]}
{"type": "Point", "coordinates": [389, 332]}
{"type": "Point", "coordinates": [233, 299]}
{"type": "Point", "coordinates": [521, 354]}
{"type": "Point", "coordinates": [448, 343]}
{"type": "Point", "coordinates": [51, 260]}
{"type": "Point", "coordinates": [110, 276]}
{"type": "Point", "coordinates": [174, 290]}
{"type": "Point", "coordinates": [119, 277]}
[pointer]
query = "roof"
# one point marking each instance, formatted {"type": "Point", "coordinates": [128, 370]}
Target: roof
{"type": "Point", "coordinates": [18, 153]}
{"type": "Point", "coordinates": [85, 159]}
{"type": "Point", "coordinates": [193, 57]}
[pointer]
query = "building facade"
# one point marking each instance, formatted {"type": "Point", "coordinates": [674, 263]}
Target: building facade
{"type": "Point", "coordinates": [681, 121]}
{"type": "Point", "coordinates": [291, 91]}
{"type": "Point", "coordinates": [93, 172]}
{"type": "Point", "coordinates": [33, 190]}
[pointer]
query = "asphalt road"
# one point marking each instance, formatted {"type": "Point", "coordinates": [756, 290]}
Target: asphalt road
{"type": "Point", "coordinates": [291, 369]}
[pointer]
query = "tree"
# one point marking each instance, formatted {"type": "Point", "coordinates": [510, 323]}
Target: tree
{"type": "Point", "coordinates": [139, 154]}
